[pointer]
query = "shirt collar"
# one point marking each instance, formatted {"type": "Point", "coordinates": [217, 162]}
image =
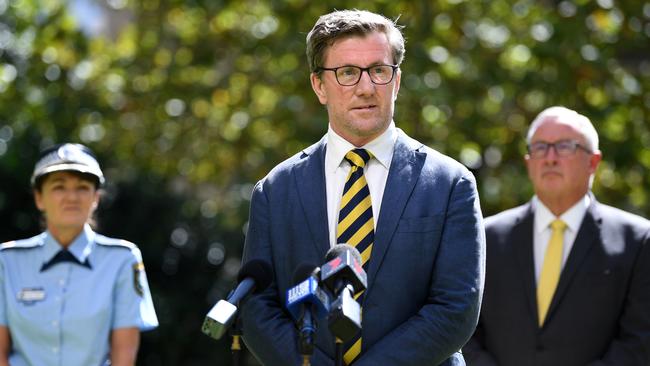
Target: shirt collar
{"type": "Point", "coordinates": [572, 217]}
{"type": "Point", "coordinates": [80, 247]}
{"type": "Point", "coordinates": [381, 148]}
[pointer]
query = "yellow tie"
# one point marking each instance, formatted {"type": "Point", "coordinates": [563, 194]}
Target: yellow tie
{"type": "Point", "coordinates": [551, 269]}
{"type": "Point", "coordinates": [356, 226]}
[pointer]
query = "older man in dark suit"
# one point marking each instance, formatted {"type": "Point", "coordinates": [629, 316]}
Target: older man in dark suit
{"type": "Point", "coordinates": [568, 278]}
{"type": "Point", "coordinates": [412, 212]}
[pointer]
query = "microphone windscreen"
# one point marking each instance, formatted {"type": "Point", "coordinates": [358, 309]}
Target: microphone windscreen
{"type": "Point", "coordinates": [302, 272]}
{"type": "Point", "coordinates": [259, 270]}
{"type": "Point", "coordinates": [341, 248]}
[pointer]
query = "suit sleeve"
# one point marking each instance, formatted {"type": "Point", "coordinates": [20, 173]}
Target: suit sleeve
{"type": "Point", "coordinates": [268, 330]}
{"type": "Point", "coordinates": [631, 346]}
{"type": "Point", "coordinates": [449, 316]}
{"type": "Point", "coordinates": [474, 351]}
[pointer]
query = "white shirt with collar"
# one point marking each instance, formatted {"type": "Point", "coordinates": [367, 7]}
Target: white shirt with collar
{"type": "Point", "coordinates": [337, 169]}
{"type": "Point", "coordinates": [542, 231]}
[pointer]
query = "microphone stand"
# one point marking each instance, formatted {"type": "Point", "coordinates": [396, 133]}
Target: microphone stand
{"type": "Point", "coordinates": [236, 332]}
{"type": "Point", "coordinates": [338, 352]}
{"type": "Point", "coordinates": [306, 337]}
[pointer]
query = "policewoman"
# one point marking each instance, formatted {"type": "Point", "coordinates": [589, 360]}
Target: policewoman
{"type": "Point", "coordinates": [70, 296]}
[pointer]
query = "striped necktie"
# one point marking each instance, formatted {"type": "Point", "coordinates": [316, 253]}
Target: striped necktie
{"type": "Point", "coordinates": [550, 275]}
{"type": "Point", "coordinates": [356, 225]}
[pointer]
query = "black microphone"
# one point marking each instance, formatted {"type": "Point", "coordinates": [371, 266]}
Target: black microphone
{"type": "Point", "coordinates": [254, 276]}
{"type": "Point", "coordinates": [344, 277]}
{"type": "Point", "coordinates": [342, 269]}
{"type": "Point", "coordinates": [306, 301]}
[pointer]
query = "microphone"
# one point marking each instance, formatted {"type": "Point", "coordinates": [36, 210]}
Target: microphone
{"type": "Point", "coordinates": [254, 276]}
{"type": "Point", "coordinates": [342, 269]}
{"type": "Point", "coordinates": [305, 300]}
{"type": "Point", "coordinates": [344, 277]}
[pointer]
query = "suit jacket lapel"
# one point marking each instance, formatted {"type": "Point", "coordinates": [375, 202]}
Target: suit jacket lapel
{"type": "Point", "coordinates": [309, 176]}
{"type": "Point", "coordinates": [522, 240]}
{"type": "Point", "coordinates": [588, 234]}
{"type": "Point", "coordinates": [404, 172]}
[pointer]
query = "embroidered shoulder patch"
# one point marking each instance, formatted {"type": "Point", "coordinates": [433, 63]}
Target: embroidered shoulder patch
{"type": "Point", "coordinates": [138, 269]}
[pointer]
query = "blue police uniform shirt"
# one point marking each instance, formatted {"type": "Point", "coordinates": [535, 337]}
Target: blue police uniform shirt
{"type": "Point", "coordinates": [64, 314]}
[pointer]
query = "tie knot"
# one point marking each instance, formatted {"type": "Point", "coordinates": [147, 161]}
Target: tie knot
{"type": "Point", "coordinates": [558, 224]}
{"type": "Point", "coordinates": [358, 157]}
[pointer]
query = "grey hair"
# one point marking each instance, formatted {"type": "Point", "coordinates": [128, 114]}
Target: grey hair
{"type": "Point", "coordinates": [564, 114]}
{"type": "Point", "coordinates": [344, 23]}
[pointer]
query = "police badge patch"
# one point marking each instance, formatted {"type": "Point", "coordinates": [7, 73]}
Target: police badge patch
{"type": "Point", "coordinates": [138, 270]}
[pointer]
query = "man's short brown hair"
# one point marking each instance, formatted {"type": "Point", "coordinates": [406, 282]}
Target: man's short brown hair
{"type": "Point", "coordinates": [344, 23]}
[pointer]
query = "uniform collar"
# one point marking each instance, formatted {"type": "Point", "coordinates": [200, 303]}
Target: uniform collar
{"type": "Point", "coordinates": [381, 148]}
{"type": "Point", "coordinates": [80, 247]}
{"type": "Point", "coordinates": [572, 217]}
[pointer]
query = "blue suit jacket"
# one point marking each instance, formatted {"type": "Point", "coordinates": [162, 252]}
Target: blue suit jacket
{"type": "Point", "coordinates": [426, 271]}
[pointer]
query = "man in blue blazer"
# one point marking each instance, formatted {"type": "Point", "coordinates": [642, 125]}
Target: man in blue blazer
{"type": "Point", "coordinates": [599, 311]}
{"type": "Point", "coordinates": [426, 263]}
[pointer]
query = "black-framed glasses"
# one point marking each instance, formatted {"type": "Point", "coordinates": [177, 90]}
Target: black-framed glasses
{"type": "Point", "coordinates": [350, 75]}
{"type": "Point", "coordinates": [563, 148]}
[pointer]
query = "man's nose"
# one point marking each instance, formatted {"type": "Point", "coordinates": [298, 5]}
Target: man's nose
{"type": "Point", "coordinates": [365, 84]}
{"type": "Point", "coordinates": [551, 154]}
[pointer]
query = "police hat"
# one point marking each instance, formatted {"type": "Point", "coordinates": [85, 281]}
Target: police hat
{"type": "Point", "coordinates": [71, 157]}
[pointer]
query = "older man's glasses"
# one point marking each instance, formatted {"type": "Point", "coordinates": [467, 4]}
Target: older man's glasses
{"type": "Point", "coordinates": [350, 75]}
{"type": "Point", "coordinates": [563, 148]}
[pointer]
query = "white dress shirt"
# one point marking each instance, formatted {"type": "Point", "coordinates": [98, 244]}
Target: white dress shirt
{"type": "Point", "coordinates": [337, 169]}
{"type": "Point", "coordinates": [542, 229]}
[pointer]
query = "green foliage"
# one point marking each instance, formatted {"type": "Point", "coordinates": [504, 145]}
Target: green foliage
{"type": "Point", "coordinates": [189, 103]}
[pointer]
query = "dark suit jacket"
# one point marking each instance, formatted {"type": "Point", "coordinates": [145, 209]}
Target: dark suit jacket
{"type": "Point", "coordinates": [600, 313]}
{"type": "Point", "coordinates": [426, 270]}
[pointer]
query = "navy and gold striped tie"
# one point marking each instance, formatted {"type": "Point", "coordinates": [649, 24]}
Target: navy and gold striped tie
{"type": "Point", "coordinates": [356, 225]}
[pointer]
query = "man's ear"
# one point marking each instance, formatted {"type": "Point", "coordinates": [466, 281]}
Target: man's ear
{"type": "Point", "coordinates": [595, 159]}
{"type": "Point", "coordinates": [398, 79]}
{"type": "Point", "coordinates": [319, 88]}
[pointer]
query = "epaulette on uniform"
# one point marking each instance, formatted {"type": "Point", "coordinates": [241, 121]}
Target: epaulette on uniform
{"type": "Point", "coordinates": [138, 266]}
{"type": "Point", "coordinates": [112, 242]}
{"type": "Point", "coordinates": [32, 242]}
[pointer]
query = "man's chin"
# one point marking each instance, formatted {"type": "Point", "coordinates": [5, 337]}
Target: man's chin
{"type": "Point", "coordinates": [552, 181]}
{"type": "Point", "coordinates": [551, 189]}
{"type": "Point", "coordinates": [369, 125]}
